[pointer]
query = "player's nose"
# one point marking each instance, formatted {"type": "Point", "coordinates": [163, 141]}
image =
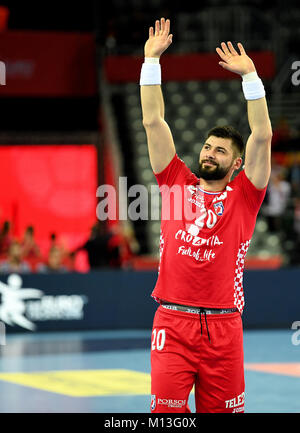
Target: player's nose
{"type": "Point", "coordinates": [209, 156]}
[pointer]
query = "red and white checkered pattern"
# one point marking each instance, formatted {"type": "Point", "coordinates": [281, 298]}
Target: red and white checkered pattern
{"type": "Point", "coordinates": [161, 247]}
{"type": "Point", "coordinates": [239, 300]}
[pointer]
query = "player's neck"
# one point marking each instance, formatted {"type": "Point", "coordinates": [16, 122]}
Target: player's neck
{"type": "Point", "coordinates": [213, 185]}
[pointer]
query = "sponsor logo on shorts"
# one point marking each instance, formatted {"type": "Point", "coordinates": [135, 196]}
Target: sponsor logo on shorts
{"type": "Point", "coordinates": [236, 403]}
{"type": "Point", "coordinates": [238, 409]}
{"type": "Point", "coordinates": [171, 403]}
{"type": "Point", "coordinates": [153, 401]}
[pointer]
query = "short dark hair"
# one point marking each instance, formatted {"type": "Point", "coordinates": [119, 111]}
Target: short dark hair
{"type": "Point", "coordinates": [229, 132]}
{"type": "Point", "coordinates": [30, 229]}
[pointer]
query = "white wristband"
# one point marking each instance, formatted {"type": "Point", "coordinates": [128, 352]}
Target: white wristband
{"type": "Point", "coordinates": [150, 72]}
{"type": "Point", "coordinates": [253, 87]}
{"type": "Point", "coordinates": [154, 60]}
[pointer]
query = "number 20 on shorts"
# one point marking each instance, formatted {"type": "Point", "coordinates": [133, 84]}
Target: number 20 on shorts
{"type": "Point", "coordinates": [158, 339]}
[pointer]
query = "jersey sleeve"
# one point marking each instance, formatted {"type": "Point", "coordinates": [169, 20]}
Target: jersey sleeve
{"type": "Point", "coordinates": [252, 196]}
{"type": "Point", "coordinates": [175, 173]}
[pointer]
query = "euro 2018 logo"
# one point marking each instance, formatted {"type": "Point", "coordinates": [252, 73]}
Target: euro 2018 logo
{"type": "Point", "coordinates": [2, 74]}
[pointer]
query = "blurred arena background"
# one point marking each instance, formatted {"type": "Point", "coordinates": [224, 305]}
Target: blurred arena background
{"type": "Point", "coordinates": [75, 292]}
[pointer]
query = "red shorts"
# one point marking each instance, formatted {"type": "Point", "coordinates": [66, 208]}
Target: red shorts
{"type": "Point", "coordinates": [181, 357]}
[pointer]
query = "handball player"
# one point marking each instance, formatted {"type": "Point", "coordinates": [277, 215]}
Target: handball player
{"type": "Point", "coordinates": [197, 336]}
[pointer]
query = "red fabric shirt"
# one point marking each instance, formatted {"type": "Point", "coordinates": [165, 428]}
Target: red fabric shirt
{"type": "Point", "coordinates": [204, 238]}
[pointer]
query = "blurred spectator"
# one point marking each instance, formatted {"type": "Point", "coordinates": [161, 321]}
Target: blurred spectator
{"type": "Point", "coordinates": [295, 253]}
{"type": "Point", "coordinates": [295, 177]}
{"type": "Point", "coordinates": [111, 41]}
{"type": "Point", "coordinates": [128, 244]}
{"type": "Point", "coordinates": [281, 132]}
{"type": "Point", "coordinates": [5, 238]}
{"type": "Point", "coordinates": [101, 247]}
{"type": "Point", "coordinates": [14, 262]}
{"type": "Point", "coordinates": [278, 195]}
{"type": "Point", "coordinates": [54, 263]}
{"type": "Point", "coordinates": [53, 241]}
{"type": "Point", "coordinates": [297, 218]}
{"type": "Point", "coordinates": [66, 258]}
{"type": "Point", "coordinates": [30, 249]}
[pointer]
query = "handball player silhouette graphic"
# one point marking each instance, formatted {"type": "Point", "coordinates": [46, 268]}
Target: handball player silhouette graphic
{"type": "Point", "coordinates": [12, 307]}
{"type": "Point", "coordinates": [197, 336]}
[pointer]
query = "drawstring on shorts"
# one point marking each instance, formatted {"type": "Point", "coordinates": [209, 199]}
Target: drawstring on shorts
{"type": "Point", "coordinates": [198, 310]}
{"type": "Point", "coordinates": [203, 311]}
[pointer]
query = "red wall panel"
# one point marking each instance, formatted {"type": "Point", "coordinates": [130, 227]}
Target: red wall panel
{"type": "Point", "coordinates": [48, 64]}
{"type": "Point", "coordinates": [52, 188]}
{"type": "Point", "coordinates": [182, 67]}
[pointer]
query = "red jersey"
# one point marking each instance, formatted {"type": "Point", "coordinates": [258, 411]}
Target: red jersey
{"type": "Point", "coordinates": [204, 238]}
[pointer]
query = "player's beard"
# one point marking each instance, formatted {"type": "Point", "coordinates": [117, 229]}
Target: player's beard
{"type": "Point", "coordinates": [215, 172]}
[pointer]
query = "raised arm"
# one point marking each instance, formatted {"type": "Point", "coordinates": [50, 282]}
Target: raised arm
{"type": "Point", "coordinates": [159, 137]}
{"type": "Point", "coordinates": [258, 148]}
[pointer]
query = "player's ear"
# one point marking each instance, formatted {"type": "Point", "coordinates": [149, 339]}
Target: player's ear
{"type": "Point", "coordinates": [238, 163]}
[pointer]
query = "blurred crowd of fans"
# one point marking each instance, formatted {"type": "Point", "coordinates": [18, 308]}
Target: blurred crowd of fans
{"type": "Point", "coordinates": [281, 206]}
{"type": "Point", "coordinates": [105, 248]}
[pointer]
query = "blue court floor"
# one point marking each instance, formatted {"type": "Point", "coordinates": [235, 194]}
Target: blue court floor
{"type": "Point", "coordinates": [108, 372]}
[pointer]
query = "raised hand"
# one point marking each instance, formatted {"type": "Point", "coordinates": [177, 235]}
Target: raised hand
{"type": "Point", "coordinates": [159, 39]}
{"type": "Point", "coordinates": [233, 61]}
